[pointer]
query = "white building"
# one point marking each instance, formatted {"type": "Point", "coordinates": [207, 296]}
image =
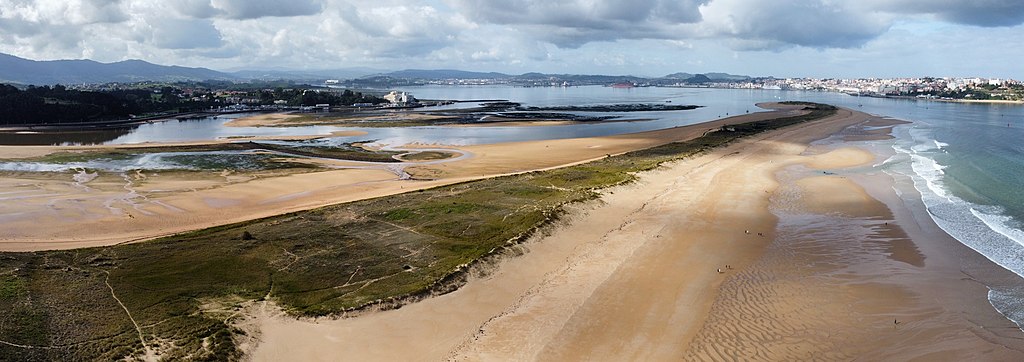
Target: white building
{"type": "Point", "coordinates": [396, 97]}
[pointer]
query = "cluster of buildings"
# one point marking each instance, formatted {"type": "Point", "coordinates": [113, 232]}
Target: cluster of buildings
{"type": "Point", "coordinates": [923, 86]}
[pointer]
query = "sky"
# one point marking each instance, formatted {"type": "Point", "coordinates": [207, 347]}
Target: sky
{"type": "Point", "coordinates": [782, 38]}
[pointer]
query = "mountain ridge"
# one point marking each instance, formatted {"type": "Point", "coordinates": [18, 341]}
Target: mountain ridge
{"type": "Point", "coordinates": [14, 69]}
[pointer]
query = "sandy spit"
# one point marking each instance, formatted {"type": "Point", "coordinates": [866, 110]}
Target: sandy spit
{"type": "Point", "coordinates": [632, 277]}
{"type": "Point", "coordinates": [693, 262]}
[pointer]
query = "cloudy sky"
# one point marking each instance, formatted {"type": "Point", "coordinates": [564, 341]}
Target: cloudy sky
{"type": "Point", "coordinates": [820, 38]}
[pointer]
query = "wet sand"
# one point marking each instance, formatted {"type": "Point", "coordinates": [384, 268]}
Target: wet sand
{"type": "Point", "coordinates": [502, 158]}
{"type": "Point", "coordinates": [349, 120]}
{"type": "Point", "coordinates": [21, 152]}
{"type": "Point", "coordinates": [857, 272]}
{"type": "Point", "coordinates": [262, 120]}
{"type": "Point", "coordinates": [54, 211]}
{"type": "Point", "coordinates": [818, 268]}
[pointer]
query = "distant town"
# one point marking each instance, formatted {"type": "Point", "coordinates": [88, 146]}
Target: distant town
{"type": "Point", "coordinates": [939, 88]}
{"type": "Point", "coordinates": [926, 87]}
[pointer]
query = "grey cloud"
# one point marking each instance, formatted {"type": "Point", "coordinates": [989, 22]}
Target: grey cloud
{"type": "Point", "coordinates": [810, 23]}
{"type": "Point", "coordinates": [987, 13]}
{"type": "Point", "coordinates": [196, 8]}
{"type": "Point", "coordinates": [19, 27]}
{"type": "Point", "coordinates": [577, 22]}
{"type": "Point", "coordinates": [252, 9]}
{"type": "Point", "coordinates": [246, 9]}
{"type": "Point", "coordinates": [170, 33]}
{"type": "Point", "coordinates": [397, 31]}
{"type": "Point", "coordinates": [225, 52]}
{"type": "Point", "coordinates": [100, 11]}
{"type": "Point", "coordinates": [582, 14]}
{"type": "Point", "coordinates": [42, 37]}
{"type": "Point", "coordinates": [744, 24]}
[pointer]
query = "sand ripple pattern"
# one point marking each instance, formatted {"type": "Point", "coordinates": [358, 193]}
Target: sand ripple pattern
{"type": "Point", "coordinates": [795, 303]}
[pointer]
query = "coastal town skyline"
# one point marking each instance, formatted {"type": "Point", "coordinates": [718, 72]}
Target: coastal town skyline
{"type": "Point", "coordinates": [806, 38]}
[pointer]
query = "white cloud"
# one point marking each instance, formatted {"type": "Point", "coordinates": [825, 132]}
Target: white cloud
{"type": "Point", "coordinates": [570, 35]}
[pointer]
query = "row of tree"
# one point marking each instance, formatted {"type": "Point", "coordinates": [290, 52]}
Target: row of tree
{"type": "Point", "coordinates": [58, 104]}
{"type": "Point", "coordinates": [345, 98]}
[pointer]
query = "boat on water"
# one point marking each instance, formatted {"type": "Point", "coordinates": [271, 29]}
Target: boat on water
{"type": "Point", "coordinates": [624, 85]}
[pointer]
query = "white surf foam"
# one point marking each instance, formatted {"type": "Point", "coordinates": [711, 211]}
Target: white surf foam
{"type": "Point", "coordinates": [982, 228]}
{"type": "Point", "coordinates": [1000, 224]}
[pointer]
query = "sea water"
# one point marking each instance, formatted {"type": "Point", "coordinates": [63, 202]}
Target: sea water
{"type": "Point", "coordinates": [968, 166]}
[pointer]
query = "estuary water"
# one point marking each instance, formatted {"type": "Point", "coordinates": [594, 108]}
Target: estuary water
{"type": "Point", "coordinates": [966, 160]}
{"type": "Point", "coordinates": [715, 105]}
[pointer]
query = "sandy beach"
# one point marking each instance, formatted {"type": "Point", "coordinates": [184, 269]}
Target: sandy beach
{"type": "Point", "coordinates": [791, 245]}
{"type": "Point", "coordinates": [768, 249]}
{"type": "Point", "coordinates": [113, 208]}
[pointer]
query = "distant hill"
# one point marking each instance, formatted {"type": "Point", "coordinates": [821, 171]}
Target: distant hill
{"type": "Point", "coordinates": [708, 77]}
{"type": "Point", "coordinates": [24, 71]}
{"type": "Point", "coordinates": [321, 74]}
{"type": "Point", "coordinates": [726, 76]}
{"type": "Point", "coordinates": [679, 76]}
{"type": "Point", "coordinates": [444, 74]}
{"type": "Point", "coordinates": [699, 78]}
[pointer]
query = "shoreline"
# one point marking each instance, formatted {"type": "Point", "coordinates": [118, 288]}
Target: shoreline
{"type": "Point", "coordinates": [14, 152]}
{"type": "Point", "coordinates": [156, 206]}
{"type": "Point", "coordinates": [282, 120]}
{"type": "Point", "coordinates": [966, 101]}
{"type": "Point", "coordinates": [644, 262]}
{"type": "Point", "coordinates": [860, 271]}
{"type": "Point", "coordinates": [113, 124]}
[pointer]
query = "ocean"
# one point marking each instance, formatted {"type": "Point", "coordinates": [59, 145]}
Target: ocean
{"type": "Point", "coordinates": [967, 162]}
